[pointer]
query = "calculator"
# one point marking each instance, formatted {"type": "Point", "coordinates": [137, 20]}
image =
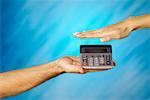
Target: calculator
{"type": "Point", "coordinates": [96, 56]}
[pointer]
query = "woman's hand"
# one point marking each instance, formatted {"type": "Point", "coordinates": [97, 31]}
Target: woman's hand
{"type": "Point", "coordinates": [119, 30]}
{"type": "Point", "coordinates": [116, 31]}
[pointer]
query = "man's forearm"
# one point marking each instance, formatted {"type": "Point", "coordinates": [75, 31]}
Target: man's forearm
{"type": "Point", "coordinates": [15, 82]}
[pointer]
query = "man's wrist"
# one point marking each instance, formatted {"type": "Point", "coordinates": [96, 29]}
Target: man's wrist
{"type": "Point", "coordinates": [56, 67]}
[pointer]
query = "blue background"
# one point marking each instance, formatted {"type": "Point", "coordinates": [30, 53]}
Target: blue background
{"type": "Point", "coordinates": [34, 32]}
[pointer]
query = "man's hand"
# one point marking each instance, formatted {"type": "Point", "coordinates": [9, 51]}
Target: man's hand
{"type": "Point", "coordinates": [72, 64]}
{"type": "Point", "coordinates": [119, 30]}
{"type": "Point", "coordinates": [18, 81]}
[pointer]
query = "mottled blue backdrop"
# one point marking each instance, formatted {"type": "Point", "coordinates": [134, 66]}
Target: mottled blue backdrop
{"type": "Point", "coordinates": [34, 32]}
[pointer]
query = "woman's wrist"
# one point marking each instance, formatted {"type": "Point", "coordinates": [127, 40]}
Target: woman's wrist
{"type": "Point", "coordinates": [138, 22]}
{"type": "Point", "coordinates": [132, 23]}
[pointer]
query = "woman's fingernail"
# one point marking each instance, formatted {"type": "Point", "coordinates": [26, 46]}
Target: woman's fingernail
{"type": "Point", "coordinates": [103, 39]}
{"type": "Point", "coordinates": [76, 33]}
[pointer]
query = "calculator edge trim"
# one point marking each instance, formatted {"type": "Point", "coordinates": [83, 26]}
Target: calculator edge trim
{"type": "Point", "coordinates": [101, 67]}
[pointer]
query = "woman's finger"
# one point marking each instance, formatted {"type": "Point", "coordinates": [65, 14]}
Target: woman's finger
{"type": "Point", "coordinates": [106, 39]}
{"type": "Point", "coordinates": [111, 31]}
{"type": "Point", "coordinates": [93, 34]}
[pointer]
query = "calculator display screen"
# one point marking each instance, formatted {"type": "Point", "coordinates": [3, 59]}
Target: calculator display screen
{"type": "Point", "coordinates": [95, 49]}
{"type": "Point", "coordinates": [102, 50]}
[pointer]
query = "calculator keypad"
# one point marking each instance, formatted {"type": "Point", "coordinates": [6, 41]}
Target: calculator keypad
{"type": "Point", "coordinates": [96, 59]}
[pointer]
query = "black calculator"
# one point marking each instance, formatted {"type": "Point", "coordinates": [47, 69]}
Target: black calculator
{"type": "Point", "coordinates": [96, 56]}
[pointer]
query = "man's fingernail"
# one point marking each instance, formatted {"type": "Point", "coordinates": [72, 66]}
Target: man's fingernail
{"type": "Point", "coordinates": [82, 71]}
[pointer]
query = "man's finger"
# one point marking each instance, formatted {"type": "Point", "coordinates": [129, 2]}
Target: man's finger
{"type": "Point", "coordinates": [75, 58]}
{"type": "Point", "coordinates": [114, 64]}
{"type": "Point", "coordinates": [78, 69]}
{"type": "Point", "coordinates": [76, 63]}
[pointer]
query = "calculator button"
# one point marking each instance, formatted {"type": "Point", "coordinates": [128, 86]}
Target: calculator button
{"type": "Point", "coordinates": [84, 61]}
{"type": "Point", "coordinates": [107, 57]}
{"type": "Point", "coordinates": [96, 62]}
{"type": "Point", "coordinates": [108, 62]}
{"type": "Point", "coordinates": [101, 60]}
{"type": "Point", "coordinates": [90, 61]}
